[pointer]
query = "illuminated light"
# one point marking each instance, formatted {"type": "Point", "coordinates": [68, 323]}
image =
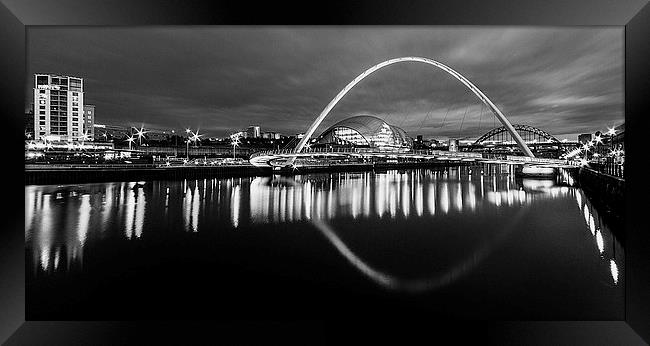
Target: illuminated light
{"type": "Point", "coordinates": [235, 200]}
{"type": "Point", "coordinates": [459, 197]}
{"type": "Point", "coordinates": [84, 218]}
{"type": "Point", "coordinates": [196, 200]}
{"type": "Point", "coordinates": [187, 208]}
{"type": "Point", "coordinates": [406, 199]}
{"type": "Point", "coordinates": [444, 198]}
{"type": "Point", "coordinates": [432, 199]}
{"type": "Point", "coordinates": [614, 270]}
{"type": "Point", "coordinates": [592, 225]}
{"type": "Point", "coordinates": [139, 213]}
{"type": "Point", "coordinates": [130, 214]}
{"type": "Point", "coordinates": [611, 131]}
{"type": "Point", "coordinates": [599, 241]}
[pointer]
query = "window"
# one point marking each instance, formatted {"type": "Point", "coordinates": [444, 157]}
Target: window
{"type": "Point", "coordinates": [75, 109]}
{"type": "Point", "coordinates": [41, 123]}
{"type": "Point", "coordinates": [41, 112]}
{"type": "Point", "coordinates": [41, 91]}
{"type": "Point", "coordinates": [41, 107]}
{"type": "Point", "coordinates": [41, 102]}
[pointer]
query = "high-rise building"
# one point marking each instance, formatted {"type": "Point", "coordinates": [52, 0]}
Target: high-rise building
{"type": "Point", "coordinates": [58, 107]}
{"type": "Point", "coordinates": [253, 131]}
{"type": "Point", "coordinates": [89, 122]}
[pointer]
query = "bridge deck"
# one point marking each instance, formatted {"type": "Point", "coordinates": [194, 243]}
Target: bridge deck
{"type": "Point", "coordinates": [285, 156]}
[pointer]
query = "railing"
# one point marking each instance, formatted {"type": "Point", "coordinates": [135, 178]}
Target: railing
{"type": "Point", "coordinates": [610, 168]}
{"type": "Point", "coordinates": [366, 151]}
{"type": "Point", "coordinates": [91, 165]}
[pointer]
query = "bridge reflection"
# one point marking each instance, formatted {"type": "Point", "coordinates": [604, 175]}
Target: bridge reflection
{"type": "Point", "coordinates": [61, 221]}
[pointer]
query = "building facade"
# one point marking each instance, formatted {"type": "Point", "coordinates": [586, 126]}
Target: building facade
{"type": "Point", "coordinates": [253, 131]}
{"type": "Point", "coordinates": [89, 122]}
{"type": "Point", "coordinates": [366, 131]}
{"type": "Point", "coordinates": [58, 107]}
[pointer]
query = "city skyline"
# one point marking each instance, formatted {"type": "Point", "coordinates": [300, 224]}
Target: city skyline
{"type": "Point", "coordinates": [566, 81]}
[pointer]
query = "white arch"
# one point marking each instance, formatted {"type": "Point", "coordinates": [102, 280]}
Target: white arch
{"type": "Point", "coordinates": [449, 70]}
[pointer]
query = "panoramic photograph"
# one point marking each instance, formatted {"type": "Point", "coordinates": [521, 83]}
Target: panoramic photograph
{"type": "Point", "coordinates": [278, 172]}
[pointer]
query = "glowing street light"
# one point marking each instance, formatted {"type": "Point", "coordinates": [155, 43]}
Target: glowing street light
{"type": "Point", "coordinates": [130, 139]}
{"type": "Point", "coordinates": [140, 133]}
{"type": "Point", "coordinates": [234, 141]}
{"type": "Point", "coordinates": [598, 139]}
{"type": "Point", "coordinates": [195, 137]}
{"type": "Point", "coordinates": [611, 131]}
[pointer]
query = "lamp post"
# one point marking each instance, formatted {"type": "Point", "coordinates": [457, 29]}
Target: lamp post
{"type": "Point", "coordinates": [130, 139]}
{"type": "Point", "coordinates": [234, 141]}
{"type": "Point", "coordinates": [140, 133]}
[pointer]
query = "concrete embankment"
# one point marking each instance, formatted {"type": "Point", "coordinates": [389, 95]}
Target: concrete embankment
{"type": "Point", "coordinates": [606, 192]}
{"type": "Point", "coordinates": [90, 173]}
{"type": "Point", "coordinates": [78, 174]}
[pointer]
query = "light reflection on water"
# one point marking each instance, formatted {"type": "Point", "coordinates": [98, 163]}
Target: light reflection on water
{"type": "Point", "coordinates": [60, 221]}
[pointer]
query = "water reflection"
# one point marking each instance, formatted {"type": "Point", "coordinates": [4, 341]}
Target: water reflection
{"type": "Point", "coordinates": [62, 220]}
{"type": "Point", "coordinates": [606, 245]}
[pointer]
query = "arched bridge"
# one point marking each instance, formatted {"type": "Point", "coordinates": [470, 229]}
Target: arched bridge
{"type": "Point", "coordinates": [522, 144]}
{"type": "Point", "coordinates": [286, 158]}
{"type": "Point", "coordinates": [528, 133]}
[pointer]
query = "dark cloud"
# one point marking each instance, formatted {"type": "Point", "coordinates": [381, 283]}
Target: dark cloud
{"type": "Point", "coordinates": [563, 80]}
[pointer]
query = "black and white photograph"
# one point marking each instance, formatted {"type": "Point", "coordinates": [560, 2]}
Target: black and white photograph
{"type": "Point", "coordinates": [461, 172]}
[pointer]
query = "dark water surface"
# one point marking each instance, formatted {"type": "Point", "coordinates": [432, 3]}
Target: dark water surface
{"type": "Point", "coordinates": [448, 242]}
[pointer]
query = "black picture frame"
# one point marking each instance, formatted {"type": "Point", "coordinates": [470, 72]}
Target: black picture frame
{"type": "Point", "coordinates": [17, 15]}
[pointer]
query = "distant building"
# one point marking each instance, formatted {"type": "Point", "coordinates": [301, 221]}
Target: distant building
{"type": "Point", "coordinates": [253, 132]}
{"type": "Point", "coordinates": [108, 132]}
{"type": "Point", "coordinates": [58, 107]}
{"type": "Point", "coordinates": [453, 144]}
{"type": "Point", "coordinates": [271, 135]}
{"type": "Point", "coordinates": [419, 139]}
{"type": "Point", "coordinates": [89, 121]}
{"type": "Point", "coordinates": [366, 131]}
{"type": "Point", "coordinates": [584, 138]}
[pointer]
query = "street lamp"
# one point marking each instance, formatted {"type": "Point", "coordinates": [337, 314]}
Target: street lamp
{"type": "Point", "coordinates": [130, 139]}
{"type": "Point", "coordinates": [195, 137]}
{"type": "Point", "coordinates": [234, 141]}
{"type": "Point", "coordinates": [140, 133]}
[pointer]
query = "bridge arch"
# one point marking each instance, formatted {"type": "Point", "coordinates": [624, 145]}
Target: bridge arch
{"type": "Point", "coordinates": [310, 131]}
{"type": "Point", "coordinates": [526, 129]}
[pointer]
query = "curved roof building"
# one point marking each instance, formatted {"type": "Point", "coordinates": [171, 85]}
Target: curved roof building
{"type": "Point", "coordinates": [366, 131]}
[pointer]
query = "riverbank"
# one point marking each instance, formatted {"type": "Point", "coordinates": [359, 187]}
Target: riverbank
{"type": "Point", "coordinates": [79, 174]}
{"type": "Point", "coordinates": [606, 192]}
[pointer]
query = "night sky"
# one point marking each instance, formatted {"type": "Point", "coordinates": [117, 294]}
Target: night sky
{"type": "Point", "coordinates": [222, 79]}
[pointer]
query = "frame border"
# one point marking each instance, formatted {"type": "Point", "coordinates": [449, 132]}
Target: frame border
{"type": "Point", "coordinates": [17, 15]}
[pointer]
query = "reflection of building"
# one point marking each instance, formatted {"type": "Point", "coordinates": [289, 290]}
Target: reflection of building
{"type": "Point", "coordinates": [366, 131]}
{"type": "Point", "coordinates": [584, 138]}
{"type": "Point", "coordinates": [89, 121]}
{"type": "Point", "coordinates": [58, 107]}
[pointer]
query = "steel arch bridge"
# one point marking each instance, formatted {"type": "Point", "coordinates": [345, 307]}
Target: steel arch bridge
{"type": "Point", "coordinates": [515, 135]}
{"type": "Point", "coordinates": [528, 133]}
